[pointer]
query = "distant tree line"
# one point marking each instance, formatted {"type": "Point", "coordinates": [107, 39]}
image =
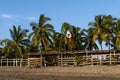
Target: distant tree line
{"type": "Point", "coordinates": [43, 37]}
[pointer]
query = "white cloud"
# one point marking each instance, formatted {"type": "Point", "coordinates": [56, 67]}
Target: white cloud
{"type": "Point", "coordinates": [6, 16]}
{"type": "Point", "coordinates": [31, 18]}
{"type": "Point", "coordinates": [17, 17]}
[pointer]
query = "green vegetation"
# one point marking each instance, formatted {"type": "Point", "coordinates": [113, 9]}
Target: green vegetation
{"type": "Point", "coordinates": [43, 37]}
{"type": "Point", "coordinates": [78, 59]}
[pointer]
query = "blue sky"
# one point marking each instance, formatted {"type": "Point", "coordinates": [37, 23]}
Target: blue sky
{"type": "Point", "coordinates": [75, 12]}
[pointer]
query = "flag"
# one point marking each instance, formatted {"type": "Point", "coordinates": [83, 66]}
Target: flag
{"type": "Point", "coordinates": [68, 34]}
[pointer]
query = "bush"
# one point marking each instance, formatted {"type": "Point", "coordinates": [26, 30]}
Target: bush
{"type": "Point", "coordinates": [78, 59]}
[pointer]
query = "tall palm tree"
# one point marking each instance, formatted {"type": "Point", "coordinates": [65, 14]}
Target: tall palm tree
{"type": "Point", "coordinates": [101, 26]}
{"type": "Point", "coordinates": [116, 34]}
{"type": "Point", "coordinates": [110, 23]}
{"type": "Point", "coordinates": [18, 41]}
{"type": "Point", "coordinates": [41, 36]}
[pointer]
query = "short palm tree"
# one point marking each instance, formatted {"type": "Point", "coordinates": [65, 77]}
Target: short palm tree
{"type": "Point", "coordinates": [56, 41]}
{"type": "Point", "coordinates": [109, 39]}
{"type": "Point", "coordinates": [88, 41]}
{"type": "Point", "coordinates": [65, 41]}
{"type": "Point", "coordinates": [78, 38]}
{"type": "Point", "coordinates": [18, 42]}
{"type": "Point", "coordinates": [6, 49]}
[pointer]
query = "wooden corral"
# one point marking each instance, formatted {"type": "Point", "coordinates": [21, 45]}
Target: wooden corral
{"type": "Point", "coordinates": [86, 57]}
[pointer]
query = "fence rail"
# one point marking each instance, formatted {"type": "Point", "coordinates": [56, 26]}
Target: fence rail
{"type": "Point", "coordinates": [13, 62]}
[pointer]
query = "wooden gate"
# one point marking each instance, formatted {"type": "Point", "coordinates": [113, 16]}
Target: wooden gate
{"type": "Point", "coordinates": [34, 62]}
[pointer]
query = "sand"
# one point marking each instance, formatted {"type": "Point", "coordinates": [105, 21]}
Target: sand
{"type": "Point", "coordinates": [61, 73]}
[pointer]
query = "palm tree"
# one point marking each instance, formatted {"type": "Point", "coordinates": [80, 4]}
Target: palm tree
{"type": "Point", "coordinates": [108, 29]}
{"type": "Point", "coordinates": [66, 43]}
{"type": "Point", "coordinates": [88, 41]}
{"type": "Point", "coordinates": [109, 39]}
{"type": "Point", "coordinates": [116, 33]}
{"type": "Point", "coordinates": [18, 42]}
{"type": "Point", "coordinates": [41, 36]}
{"type": "Point", "coordinates": [78, 38]}
{"type": "Point", "coordinates": [101, 26]}
{"type": "Point", "coordinates": [76, 42]}
{"type": "Point", "coordinates": [56, 40]}
{"type": "Point", "coordinates": [6, 49]}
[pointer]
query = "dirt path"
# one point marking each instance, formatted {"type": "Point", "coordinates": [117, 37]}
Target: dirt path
{"type": "Point", "coordinates": [61, 73]}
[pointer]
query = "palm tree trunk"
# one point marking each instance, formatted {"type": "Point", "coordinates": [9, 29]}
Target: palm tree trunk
{"type": "Point", "coordinates": [109, 45]}
{"type": "Point", "coordinates": [101, 46]}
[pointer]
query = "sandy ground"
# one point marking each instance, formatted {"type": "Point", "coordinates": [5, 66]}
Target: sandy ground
{"type": "Point", "coordinates": [61, 73]}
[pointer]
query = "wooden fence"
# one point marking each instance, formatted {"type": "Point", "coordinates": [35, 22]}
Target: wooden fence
{"type": "Point", "coordinates": [101, 59]}
{"type": "Point", "coordinates": [13, 62]}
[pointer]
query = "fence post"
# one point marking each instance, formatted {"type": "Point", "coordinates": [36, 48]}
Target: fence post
{"type": "Point", "coordinates": [21, 61]}
{"type": "Point", "coordinates": [44, 62]}
{"type": "Point", "coordinates": [61, 59]}
{"type": "Point", "coordinates": [58, 60]}
{"type": "Point", "coordinates": [28, 62]}
{"type": "Point", "coordinates": [1, 62]}
{"type": "Point", "coordinates": [13, 62]}
{"type": "Point", "coordinates": [100, 61]}
{"type": "Point", "coordinates": [91, 61]}
{"type": "Point", "coordinates": [41, 60]}
{"type": "Point", "coordinates": [110, 58]}
{"type": "Point", "coordinates": [16, 62]}
{"type": "Point", "coordinates": [7, 62]}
